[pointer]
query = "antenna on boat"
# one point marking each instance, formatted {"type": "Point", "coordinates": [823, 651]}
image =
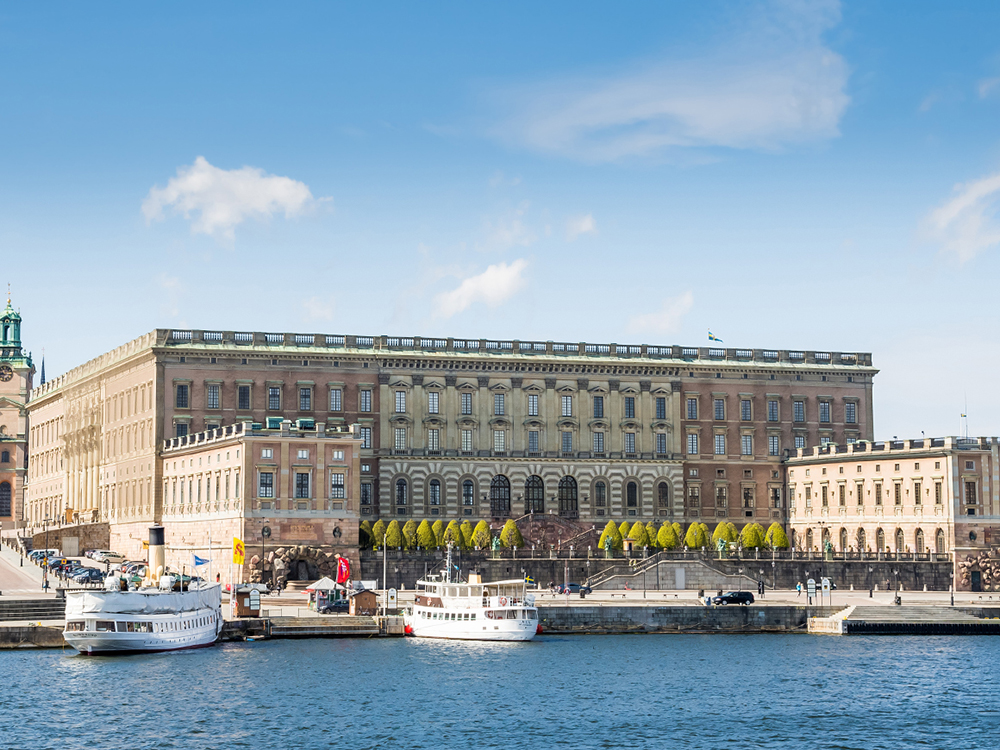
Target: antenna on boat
{"type": "Point", "coordinates": [447, 568]}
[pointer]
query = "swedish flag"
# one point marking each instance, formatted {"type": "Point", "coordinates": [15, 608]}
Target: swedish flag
{"type": "Point", "coordinates": [713, 337]}
{"type": "Point", "coordinates": [529, 580]}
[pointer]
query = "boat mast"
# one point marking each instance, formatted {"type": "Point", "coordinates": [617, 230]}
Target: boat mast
{"type": "Point", "coordinates": [447, 570]}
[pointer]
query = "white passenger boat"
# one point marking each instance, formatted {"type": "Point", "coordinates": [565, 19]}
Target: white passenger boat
{"type": "Point", "coordinates": [152, 618]}
{"type": "Point", "coordinates": [472, 610]}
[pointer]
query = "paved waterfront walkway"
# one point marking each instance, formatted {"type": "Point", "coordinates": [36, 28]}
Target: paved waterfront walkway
{"type": "Point", "coordinates": [17, 582]}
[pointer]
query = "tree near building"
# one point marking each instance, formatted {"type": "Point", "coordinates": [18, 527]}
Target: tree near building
{"type": "Point", "coordinates": [394, 535]}
{"type": "Point", "coordinates": [752, 536]}
{"type": "Point", "coordinates": [378, 534]}
{"type": "Point", "coordinates": [666, 538]}
{"type": "Point", "coordinates": [652, 534]}
{"type": "Point", "coordinates": [365, 534]}
{"type": "Point", "coordinates": [410, 534]}
{"type": "Point", "coordinates": [624, 528]}
{"type": "Point", "coordinates": [638, 535]}
{"type": "Point", "coordinates": [610, 530]}
{"type": "Point", "coordinates": [482, 536]}
{"type": "Point", "coordinates": [511, 535]}
{"type": "Point", "coordinates": [678, 531]}
{"type": "Point", "coordinates": [466, 534]}
{"type": "Point", "coordinates": [438, 528]}
{"type": "Point", "coordinates": [776, 537]}
{"type": "Point", "coordinates": [453, 534]}
{"type": "Point", "coordinates": [697, 536]}
{"type": "Point", "coordinates": [425, 537]}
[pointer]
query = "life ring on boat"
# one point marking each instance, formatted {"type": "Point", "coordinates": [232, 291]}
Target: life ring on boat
{"type": "Point", "coordinates": [489, 614]}
{"type": "Point", "coordinates": [503, 601]}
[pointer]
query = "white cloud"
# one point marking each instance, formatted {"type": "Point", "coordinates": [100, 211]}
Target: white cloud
{"type": "Point", "coordinates": [966, 224]}
{"type": "Point", "coordinates": [216, 201]}
{"type": "Point", "coordinates": [316, 308]}
{"type": "Point", "coordinates": [987, 86]}
{"type": "Point", "coordinates": [495, 285]}
{"type": "Point", "coordinates": [577, 225]}
{"type": "Point", "coordinates": [509, 230]}
{"type": "Point", "coordinates": [774, 84]}
{"type": "Point", "coordinates": [666, 320]}
{"type": "Point", "coordinates": [499, 179]}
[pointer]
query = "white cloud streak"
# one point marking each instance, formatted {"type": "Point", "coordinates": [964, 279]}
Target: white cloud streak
{"type": "Point", "coordinates": [987, 86]}
{"type": "Point", "coordinates": [966, 225]}
{"type": "Point", "coordinates": [509, 230]}
{"type": "Point", "coordinates": [579, 225]}
{"type": "Point", "coordinates": [664, 321]}
{"type": "Point", "coordinates": [216, 201]}
{"type": "Point", "coordinates": [775, 85]}
{"type": "Point", "coordinates": [492, 287]}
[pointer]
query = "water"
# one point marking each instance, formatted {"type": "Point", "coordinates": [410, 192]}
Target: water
{"type": "Point", "coordinates": [766, 691]}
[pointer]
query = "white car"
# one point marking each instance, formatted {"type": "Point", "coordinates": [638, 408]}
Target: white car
{"type": "Point", "coordinates": [107, 556]}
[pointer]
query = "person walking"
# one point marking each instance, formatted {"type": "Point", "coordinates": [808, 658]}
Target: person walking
{"type": "Point", "coordinates": [798, 589]}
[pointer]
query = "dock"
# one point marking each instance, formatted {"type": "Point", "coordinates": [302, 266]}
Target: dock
{"type": "Point", "coordinates": [910, 620]}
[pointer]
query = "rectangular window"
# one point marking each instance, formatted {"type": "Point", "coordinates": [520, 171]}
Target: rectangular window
{"type": "Point", "coordinates": [860, 489]}
{"type": "Point", "coordinates": [772, 411]}
{"type": "Point", "coordinates": [799, 411]}
{"type": "Point", "coordinates": [267, 452]}
{"type": "Point", "coordinates": [878, 494]}
{"type": "Point", "coordinates": [916, 494]}
{"type": "Point", "coordinates": [800, 441]}
{"type": "Point", "coordinates": [466, 399]}
{"type": "Point", "coordinates": [970, 493]}
{"type": "Point", "coordinates": [400, 444]}
{"type": "Point", "coordinates": [366, 437]}
{"type": "Point", "coordinates": [824, 494]}
{"type": "Point", "coordinates": [746, 411]}
{"type": "Point", "coordinates": [773, 445]}
{"type": "Point", "coordinates": [337, 488]}
{"type": "Point", "coordinates": [499, 441]}
{"type": "Point", "coordinates": [212, 397]}
{"type": "Point", "coordinates": [661, 407]}
{"type": "Point", "coordinates": [598, 442]}
{"type": "Point", "coordinates": [598, 407]}
{"type": "Point", "coordinates": [274, 398]}
{"type": "Point", "coordinates": [630, 407]}
{"type": "Point", "coordinates": [567, 406]}
{"type": "Point", "coordinates": [400, 402]}
{"type": "Point", "coordinates": [719, 406]}
{"type": "Point", "coordinates": [180, 429]}
{"type": "Point", "coordinates": [468, 493]}
{"type": "Point", "coordinates": [630, 442]}
{"type": "Point", "coordinates": [842, 495]}
{"type": "Point", "coordinates": [824, 440]}
{"type": "Point", "coordinates": [266, 484]}
{"type": "Point", "coordinates": [824, 411]}
{"type": "Point", "coordinates": [692, 408]}
{"type": "Point", "coordinates": [303, 454]}
{"type": "Point", "coordinates": [746, 445]}
{"type": "Point", "coordinates": [851, 413]}
{"type": "Point", "coordinates": [498, 405]}
{"type": "Point", "coordinates": [183, 400]}
{"type": "Point", "coordinates": [809, 501]}
{"type": "Point", "coordinates": [661, 442]}
{"type": "Point", "coordinates": [243, 397]}
{"type": "Point", "coordinates": [937, 494]}
{"type": "Point", "coordinates": [533, 441]}
{"type": "Point", "coordinates": [365, 401]}
{"type": "Point", "coordinates": [366, 493]}
{"type": "Point", "coordinates": [897, 493]}
{"type": "Point", "coordinates": [433, 401]}
{"type": "Point", "coordinates": [336, 399]}
{"type": "Point", "coordinates": [433, 440]}
{"type": "Point", "coordinates": [600, 494]}
{"type": "Point", "coordinates": [435, 492]}
{"type": "Point", "coordinates": [567, 442]}
{"type": "Point", "coordinates": [720, 445]}
{"type": "Point", "coordinates": [305, 399]}
{"type": "Point", "coordinates": [467, 440]}
{"type": "Point", "coordinates": [302, 485]}
{"type": "Point", "coordinates": [532, 404]}
{"type": "Point", "coordinates": [692, 444]}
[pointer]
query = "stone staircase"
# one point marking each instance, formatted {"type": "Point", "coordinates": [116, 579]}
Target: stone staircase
{"type": "Point", "coordinates": [32, 609]}
{"type": "Point", "coordinates": [543, 529]}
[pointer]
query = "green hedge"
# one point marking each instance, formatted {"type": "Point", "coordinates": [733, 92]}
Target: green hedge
{"type": "Point", "coordinates": [616, 538]}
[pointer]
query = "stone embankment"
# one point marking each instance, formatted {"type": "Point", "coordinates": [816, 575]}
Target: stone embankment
{"type": "Point", "coordinates": [620, 619]}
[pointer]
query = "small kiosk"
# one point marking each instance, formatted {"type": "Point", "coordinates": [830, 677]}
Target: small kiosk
{"type": "Point", "coordinates": [325, 591]}
{"type": "Point", "coordinates": [364, 602]}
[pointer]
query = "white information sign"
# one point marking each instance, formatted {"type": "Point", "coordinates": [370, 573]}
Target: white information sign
{"type": "Point", "coordinates": [826, 585]}
{"type": "Point", "coordinates": [811, 587]}
{"type": "Point", "coordinates": [392, 598]}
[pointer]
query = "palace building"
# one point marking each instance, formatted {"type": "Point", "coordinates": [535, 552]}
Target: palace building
{"type": "Point", "coordinates": [450, 427]}
{"type": "Point", "coordinates": [16, 375]}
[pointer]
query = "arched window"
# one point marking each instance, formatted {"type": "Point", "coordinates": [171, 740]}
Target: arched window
{"type": "Point", "coordinates": [534, 495]}
{"type": "Point", "coordinates": [663, 495]}
{"type": "Point", "coordinates": [880, 540]}
{"type": "Point", "coordinates": [919, 542]}
{"type": "Point", "coordinates": [567, 497]}
{"type": "Point", "coordinates": [400, 492]}
{"type": "Point", "coordinates": [631, 495]}
{"type": "Point", "coordinates": [500, 496]}
{"type": "Point", "coordinates": [435, 493]}
{"type": "Point", "coordinates": [939, 544]}
{"type": "Point", "coordinates": [843, 540]}
{"type": "Point", "coordinates": [468, 493]}
{"type": "Point", "coordinates": [600, 494]}
{"type": "Point", "coordinates": [862, 546]}
{"type": "Point", "coordinates": [900, 540]}
{"type": "Point", "coordinates": [5, 497]}
{"type": "Point", "coordinates": [5, 457]}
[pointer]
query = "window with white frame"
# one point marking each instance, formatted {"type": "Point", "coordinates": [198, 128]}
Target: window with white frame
{"type": "Point", "coordinates": [274, 398]}
{"type": "Point", "coordinates": [212, 397]}
{"type": "Point", "coordinates": [302, 485]}
{"type": "Point", "coordinates": [498, 404]}
{"type": "Point", "coordinates": [400, 444]}
{"type": "Point", "coordinates": [692, 445]}
{"type": "Point", "coordinates": [336, 399]}
{"type": "Point", "coordinates": [465, 400]}
{"type": "Point", "coordinates": [432, 402]}
{"type": "Point", "coordinates": [467, 440]}
{"type": "Point", "coordinates": [598, 442]}
{"type": "Point", "coordinates": [532, 404]}
{"type": "Point", "coordinates": [499, 440]}
{"type": "Point", "coordinates": [433, 440]}
{"type": "Point", "coordinates": [365, 403]}
{"type": "Point", "coordinates": [567, 406]}
{"type": "Point", "coordinates": [400, 402]}
{"type": "Point", "coordinates": [773, 447]}
{"type": "Point", "coordinates": [720, 445]}
{"type": "Point", "coordinates": [851, 413]}
{"type": "Point", "coordinates": [305, 399]}
{"type": "Point", "coordinates": [692, 408]}
{"type": "Point", "coordinates": [824, 440]}
{"type": "Point", "coordinates": [267, 453]}
{"type": "Point", "coordinates": [746, 410]}
{"type": "Point", "coordinates": [303, 454]}
{"type": "Point", "coordinates": [630, 407]}
{"type": "Point", "coordinates": [265, 484]}
{"type": "Point", "coordinates": [366, 437]}
{"type": "Point", "coordinates": [629, 442]}
{"type": "Point", "coordinates": [532, 441]}
{"type": "Point", "coordinates": [772, 411]}
{"type": "Point", "coordinates": [800, 441]}
{"type": "Point", "coordinates": [746, 445]}
{"type": "Point", "coordinates": [567, 442]}
{"type": "Point", "coordinates": [824, 411]}
{"type": "Point", "coordinates": [337, 455]}
{"type": "Point", "coordinates": [661, 442]}
{"type": "Point", "coordinates": [719, 408]}
{"type": "Point", "coordinates": [338, 490]}
{"type": "Point", "coordinates": [598, 407]}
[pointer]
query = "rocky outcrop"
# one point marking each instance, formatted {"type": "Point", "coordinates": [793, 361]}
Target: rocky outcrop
{"type": "Point", "coordinates": [986, 564]}
{"type": "Point", "coordinates": [280, 565]}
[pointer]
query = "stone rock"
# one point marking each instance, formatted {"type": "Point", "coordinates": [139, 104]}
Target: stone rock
{"type": "Point", "coordinates": [279, 564]}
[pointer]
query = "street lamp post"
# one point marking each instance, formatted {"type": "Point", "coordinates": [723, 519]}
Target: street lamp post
{"type": "Point", "coordinates": [265, 532]}
{"type": "Point", "coordinates": [774, 577]}
{"type": "Point", "coordinates": [871, 583]}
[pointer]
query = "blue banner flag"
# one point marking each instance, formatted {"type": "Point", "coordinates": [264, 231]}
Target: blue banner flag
{"type": "Point", "coordinates": [200, 561]}
{"type": "Point", "coordinates": [713, 337]}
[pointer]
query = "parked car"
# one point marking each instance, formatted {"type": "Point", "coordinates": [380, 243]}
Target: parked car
{"type": "Point", "coordinates": [574, 588]}
{"type": "Point", "coordinates": [88, 575]}
{"type": "Point", "coordinates": [340, 605]}
{"type": "Point", "coordinates": [107, 556]}
{"type": "Point", "coordinates": [734, 597]}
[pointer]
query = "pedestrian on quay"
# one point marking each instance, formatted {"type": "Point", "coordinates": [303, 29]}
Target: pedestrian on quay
{"type": "Point", "coordinates": [798, 589]}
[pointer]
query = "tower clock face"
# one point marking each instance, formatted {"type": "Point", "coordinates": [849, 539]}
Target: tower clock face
{"type": "Point", "coordinates": [6, 373]}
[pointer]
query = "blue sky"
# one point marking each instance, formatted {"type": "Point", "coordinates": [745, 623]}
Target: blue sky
{"type": "Point", "coordinates": [800, 175]}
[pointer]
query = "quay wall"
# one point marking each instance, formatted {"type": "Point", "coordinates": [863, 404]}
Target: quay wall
{"type": "Point", "coordinates": [31, 636]}
{"type": "Point", "coordinates": [608, 620]}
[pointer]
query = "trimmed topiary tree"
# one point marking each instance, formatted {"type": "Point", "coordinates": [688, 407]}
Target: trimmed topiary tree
{"type": "Point", "coordinates": [438, 528]}
{"type": "Point", "coordinates": [511, 535]}
{"type": "Point", "coordinates": [651, 534]}
{"type": "Point", "coordinates": [678, 531]}
{"type": "Point", "coordinates": [425, 537]}
{"type": "Point", "coordinates": [453, 534]}
{"type": "Point", "coordinates": [481, 535]}
{"type": "Point", "coordinates": [667, 537]}
{"type": "Point", "coordinates": [378, 534]}
{"type": "Point", "coordinates": [616, 538]}
{"type": "Point", "coordinates": [638, 535]}
{"type": "Point", "coordinates": [696, 536]}
{"type": "Point", "coordinates": [624, 528]}
{"type": "Point", "coordinates": [410, 534]}
{"type": "Point", "coordinates": [365, 534]}
{"type": "Point", "coordinates": [776, 537]}
{"type": "Point", "coordinates": [752, 536]}
{"type": "Point", "coordinates": [466, 534]}
{"type": "Point", "coordinates": [394, 535]}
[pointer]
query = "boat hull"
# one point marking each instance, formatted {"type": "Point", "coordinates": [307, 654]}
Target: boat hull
{"type": "Point", "coordinates": [480, 630]}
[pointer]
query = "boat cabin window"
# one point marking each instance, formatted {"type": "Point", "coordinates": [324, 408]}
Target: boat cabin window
{"type": "Point", "coordinates": [105, 626]}
{"type": "Point", "coordinates": [75, 626]}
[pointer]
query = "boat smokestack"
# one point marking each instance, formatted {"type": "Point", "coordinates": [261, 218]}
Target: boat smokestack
{"type": "Point", "coordinates": [155, 553]}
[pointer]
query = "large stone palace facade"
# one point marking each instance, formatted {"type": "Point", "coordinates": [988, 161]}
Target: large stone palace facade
{"type": "Point", "coordinates": [453, 427]}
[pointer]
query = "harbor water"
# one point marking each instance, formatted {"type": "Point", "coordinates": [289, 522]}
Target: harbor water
{"type": "Point", "coordinates": [766, 691]}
